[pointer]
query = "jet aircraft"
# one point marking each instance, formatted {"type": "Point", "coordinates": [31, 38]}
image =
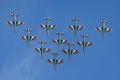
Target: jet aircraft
{"type": "Point", "coordinates": [15, 23]}
{"type": "Point", "coordinates": [103, 29]}
{"type": "Point", "coordinates": [42, 50]}
{"type": "Point", "coordinates": [28, 38]}
{"type": "Point", "coordinates": [55, 61]}
{"type": "Point", "coordinates": [59, 41]}
{"type": "Point", "coordinates": [84, 43]}
{"type": "Point", "coordinates": [70, 51]}
{"type": "Point", "coordinates": [75, 27]}
{"type": "Point", "coordinates": [47, 26]}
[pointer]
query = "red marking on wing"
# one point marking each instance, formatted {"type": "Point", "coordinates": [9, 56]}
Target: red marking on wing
{"type": "Point", "coordinates": [76, 51]}
{"type": "Point", "coordinates": [34, 37]}
{"type": "Point", "coordinates": [60, 61]}
{"type": "Point", "coordinates": [48, 50]}
{"type": "Point", "coordinates": [64, 50]}
{"type": "Point", "coordinates": [42, 26]}
{"type": "Point", "coordinates": [81, 27]}
{"type": "Point", "coordinates": [37, 49]}
{"type": "Point", "coordinates": [70, 27]}
{"type": "Point", "coordinates": [54, 40]}
{"type": "Point", "coordinates": [49, 60]}
{"type": "Point", "coordinates": [9, 23]}
{"type": "Point", "coordinates": [53, 27]}
{"type": "Point", "coordinates": [65, 41]}
{"type": "Point", "coordinates": [98, 29]}
{"type": "Point", "coordinates": [109, 29]}
{"type": "Point", "coordinates": [23, 37]}
{"type": "Point", "coordinates": [20, 23]}
{"type": "Point", "coordinates": [89, 44]}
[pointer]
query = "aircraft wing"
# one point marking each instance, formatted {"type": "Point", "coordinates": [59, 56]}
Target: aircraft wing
{"type": "Point", "coordinates": [52, 26]}
{"type": "Point", "coordinates": [50, 61]}
{"type": "Point", "coordinates": [80, 27]}
{"type": "Point", "coordinates": [20, 23]}
{"type": "Point", "coordinates": [98, 29]}
{"type": "Point", "coordinates": [65, 50]}
{"type": "Point", "coordinates": [89, 43]}
{"type": "Point", "coordinates": [43, 26]}
{"type": "Point", "coordinates": [37, 49]}
{"type": "Point", "coordinates": [23, 37]}
{"type": "Point", "coordinates": [47, 50]}
{"type": "Point", "coordinates": [55, 41]}
{"type": "Point", "coordinates": [70, 51]}
{"type": "Point", "coordinates": [59, 41]}
{"type": "Point", "coordinates": [108, 29]}
{"type": "Point", "coordinates": [33, 37]}
{"type": "Point", "coordinates": [60, 61]}
{"type": "Point", "coordinates": [71, 27]}
{"type": "Point", "coordinates": [74, 51]}
{"type": "Point", "coordinates": [80, 43]}
{"type": "Point", "coordinates": [10, 23]}
{"type": "Point", "coordinates": [64, 41]}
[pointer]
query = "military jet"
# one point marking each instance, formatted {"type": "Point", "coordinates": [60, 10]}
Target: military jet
{"type": "Point", "coordinates": [70, 51]}
{"type": "Point", "coordinates": [84, 43]}
{"type": "Point", "coordinates": [75, 27]}
{"type": "Point", "coordinates": [59, 41]}
{"type": "Point", "coordinates": [15, 23]}
{"type": "Point", "coordinates": [28, 38]}
{"type": "Point", "coordinates": [55, 61]}
{"type": "Point", "coordinates": [103, 29]}
{"type": "Point", "coordinates": [42, 50]}
{"type": "Point", "coordinates": [47, 26]}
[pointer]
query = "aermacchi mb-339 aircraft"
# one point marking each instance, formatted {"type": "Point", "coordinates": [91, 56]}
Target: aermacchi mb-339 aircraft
{"type": "Point", "coordinates": [84, 43]}
{"type": "Point", "coordinates": [47, 26]}
{"type": "Point", "coordinates": [75, 27]}
{"type": "Point", "coordinates": [59, 41]}
{"type": "Point", "coordinates": [28, 38]}
{"type": "Point", "coordinates": [15, 23]}
{"type": "Point", "coordinates": [42, 50]}
{"type": "Point", "coordinates": [103, 29]}
{"type": "Point", "coordinates": [55, 61]}
{"type": "Point", "coordinates": [70, 51]}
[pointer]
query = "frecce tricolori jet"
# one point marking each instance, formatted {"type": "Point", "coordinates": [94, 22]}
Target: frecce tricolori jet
{"type": "Point", "coordinates": [84, 43]}
{"type": "Point", "coordinates": [59, 41]}
{"type": "Point", "coordinates": [15, 23]}
{"type": "Point", "coordinates": [42, 50]}
{"type": "Point", "coordinates": [28, 38]}
{"type": "Point", "coordinates": [70, 51]}
{"type": "Point", "coordinates": [103, 29]}
{"type": "Point", "coordinates": [75, 27]}
{"type": "Point", "coordinates": [47, 26]}
{"type": "Point", "coordinates": [55, 61]}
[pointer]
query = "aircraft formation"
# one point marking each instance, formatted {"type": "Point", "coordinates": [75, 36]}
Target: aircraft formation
{"type": "Point", "coordinates": [47, 27]}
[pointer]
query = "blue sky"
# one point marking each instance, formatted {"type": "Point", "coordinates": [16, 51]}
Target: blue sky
{"type": "Point", "coordinates": [101, 62]}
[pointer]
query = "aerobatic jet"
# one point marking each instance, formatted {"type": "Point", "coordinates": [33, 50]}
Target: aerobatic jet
{"type": "Point", "coordinates": [28, 38]}
{"type": "Point", "coordinates": [15, 23]}
{"type": "Point", "coordinates": [84, 43]}
{"type": "Point", "coordinates": [70, 51]}
{"type": "Point", "coordinates": [42, 50]}
{"type": "Point", "coordinates": [59, 41]}
{"type": "Point", "coordinates": [103, 29]}
{"type": "Point", "coordinates": [47, 26]}
{"type": "Point", "coordinates": [55, 61]}
{"type": "Point", "coordinates": [75, 27]}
